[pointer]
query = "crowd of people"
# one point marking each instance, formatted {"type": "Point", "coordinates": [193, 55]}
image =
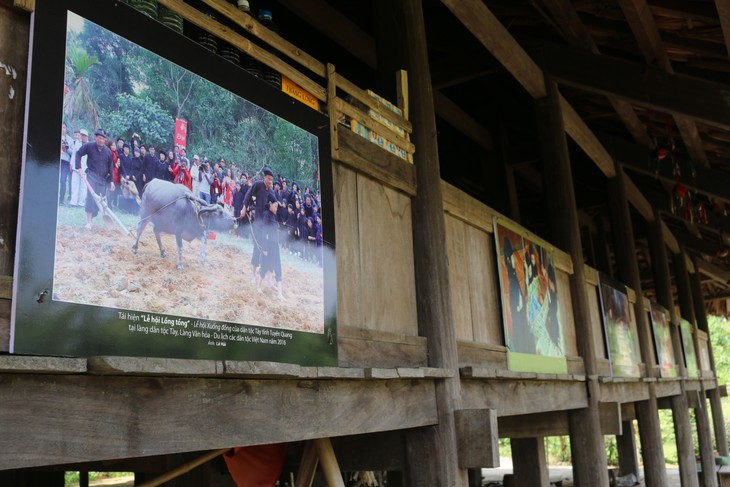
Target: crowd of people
{"type": "Point", "coordinates": [274, 212]}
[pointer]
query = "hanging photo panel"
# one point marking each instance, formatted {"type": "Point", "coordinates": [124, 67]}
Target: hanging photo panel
{"type": "Point", "coordinates": [530, 307]}
{"type": "Point", "coordinates": [619, 326]}
{"type": "Point", "coordinates": [209, 236]}
{"type": "Point", "coordinates": [663, 341]}
{"type": "Point", "coordinates": [690, 354]}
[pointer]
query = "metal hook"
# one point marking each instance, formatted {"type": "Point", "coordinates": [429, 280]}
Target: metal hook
{"type": "Point", "coordinates": [42, 296]}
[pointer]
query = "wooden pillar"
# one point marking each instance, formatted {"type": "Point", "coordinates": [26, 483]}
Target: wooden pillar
{"type": "Point", "coordinates": [628, 267]}
{"type": "Point", "coordinates": [586, 439]}
{"type": "Point", "coordinates": [14, 32]}
{"type": "Point", "coordinates": [704, 437]}
{"type": "Point", "coordinates": [628, 461]}
{"type": "Point", "coordinates": [685, 445]}
{"type": "Point", "coordinates": [650, 434]}
{"type": "Point", "coordinates": [704, 434]}
{"type": "Point", "coordinates": [603, 257]}
{"type": "Point", "coordinates": [628, 272]}
{"type": "Point", "coordinates": [680, 407]}
{"type": "Point", "coordinates": [684, 291]}
{"type": "Point", "coordinates": [514, 202]}
{"type": "Point", "coordinates": [529, 464]}
{"type": "Point", "coordinates": [718, 421]}
{"type": "Point", "coordinates": [433, 446]}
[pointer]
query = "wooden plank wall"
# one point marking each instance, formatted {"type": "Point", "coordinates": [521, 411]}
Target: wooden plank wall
{"type": "Point", "coordinates": [376, 290]}
{"type": "Point", "coordinates": [475, 283]}
{"type": "Point", "coordinates": [474, 287]}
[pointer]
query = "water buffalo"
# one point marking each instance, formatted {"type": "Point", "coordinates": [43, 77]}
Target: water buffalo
{"type": "Point", "coordinates": [174, 210]}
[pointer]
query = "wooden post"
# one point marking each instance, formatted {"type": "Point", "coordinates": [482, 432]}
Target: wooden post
{"type": "Point", "coordinates": [704, 435]}
{"type": "Point", "coordinates": [628, 461]}
{"type": "Point", "coordinates": [14, 32]}
{"type": "Point", "coordinates": [586, 439]}
{"type": "Point", "coordinates": [328, 461]}
{"type": "Point", "coordinates": [718, 421]}
{"type": "Point", "coordinates": [434, 446]}
{"type": "Point", "coordinates": [680, 407]}
{"type": "Point", "coordinates": [628, 272]}
{"type": "Point", "coordinates": [628, 267]}
{"type": "Point", "coordinates": [650, 434]}
{"type": "Point", "coordinates": [528, 460]}
{"type": "Point", "coordinates": [685, 446]}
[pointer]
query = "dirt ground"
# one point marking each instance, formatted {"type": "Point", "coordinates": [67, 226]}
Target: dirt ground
{"type": "Point", "coordinates": [97, 267]}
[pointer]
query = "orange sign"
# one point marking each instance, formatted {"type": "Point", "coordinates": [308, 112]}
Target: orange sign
{"type": "Point", "coordinates": [295, 91]}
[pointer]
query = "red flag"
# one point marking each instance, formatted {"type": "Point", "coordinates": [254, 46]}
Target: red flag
{"type": "Point", "coordinates": [181, 133]}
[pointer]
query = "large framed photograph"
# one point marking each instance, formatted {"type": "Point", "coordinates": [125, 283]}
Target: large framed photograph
{"type": "Point", "coordinates": [189, 213]}
{"type": "Point", "coordinates": [531, 309]}
{"type": "Point", "coordinates": [690, 354]}
{"type": "Point", "coordinates": [619, 329]}
{"type": "Point", "coordinates": [663, 340]}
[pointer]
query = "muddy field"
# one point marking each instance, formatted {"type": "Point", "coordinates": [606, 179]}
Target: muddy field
{"type": "Point", "coordinates": [97, 267]}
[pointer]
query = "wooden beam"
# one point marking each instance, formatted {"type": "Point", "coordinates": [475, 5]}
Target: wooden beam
{"type": "Point", "coordinates": [641, 21]}
{"type": "Point", "coordinates": [712, 271]}
{"type": "Point", "coordinates": [516, 397]}
{"type": "Point", "coordinates": [485, 26]}
{"type": "Point", "coordinates": [637, 199]}
{"type": "Point", "coordinates": [337, 26]}
{"type": "Point", "coordinates": [586, 140]}
{"type": "Point", "coordinates": [703, 101]}
{"type": "Point", "coordinates": [328, 20]}
{"type": "Point", "coordinates": [477, 438]}
{"type": "Point", "coordinates": [555, 423]}
{"type": "Point", "coordinates": [455, 116]}
{"type": "Point", "coordinates": [169, 415]}
{"type": "Point", "coordinates": [578, 37]}
{"type": "Point", "coordinates": [708, 181]}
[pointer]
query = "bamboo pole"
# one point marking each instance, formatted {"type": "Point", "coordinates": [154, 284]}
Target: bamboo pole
{"type": "Point", "coordinates": [184, 468]}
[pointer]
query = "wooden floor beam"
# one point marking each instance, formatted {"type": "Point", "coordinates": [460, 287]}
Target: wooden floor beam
{"type": "Point", "coordinates": [47, 420]}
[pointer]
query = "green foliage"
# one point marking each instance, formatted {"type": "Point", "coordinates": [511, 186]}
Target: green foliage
{"type": "Point", "coordinates": [79, 104]}
{"type": "Point", "coordinates": [72, 478]}
{"type": "Point", "coordinates": [557, 449]}
{"type": "Point", "coordinates": [140, 115]}
{"type": "Point", "coordinates": [125, 89]}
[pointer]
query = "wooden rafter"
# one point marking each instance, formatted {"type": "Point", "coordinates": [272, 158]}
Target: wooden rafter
{"type": "Point", "coordinates": [578, 37]}
{"type": "Point", "coordinates": [641, 20]}
{"type": "Point", "coordinates": [360, 44]}
{"type": "Point", "coordinates": [704, 101]}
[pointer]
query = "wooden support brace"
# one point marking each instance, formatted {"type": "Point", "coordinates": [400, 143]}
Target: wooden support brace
{"type": "Point", "coordinates": [319, 451]}
{"type": "Point", "coordinates": [329, 462]}
{"type": "Point", "coordinates": [308, 467]}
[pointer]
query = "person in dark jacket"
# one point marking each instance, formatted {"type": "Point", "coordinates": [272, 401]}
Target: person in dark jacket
{"type": "Point", "coordinates": [259, 192]}
{"type": "Point", "coordinates": [271, 256]}
{"type": "Point", "coordinates": [99, 171]}
{"type": "Point", "coordinates": [136, 165]}
{"type": "Point", "coordinates": [149, 165]}
{"type": "Point", "coordinates": [302, 233]}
